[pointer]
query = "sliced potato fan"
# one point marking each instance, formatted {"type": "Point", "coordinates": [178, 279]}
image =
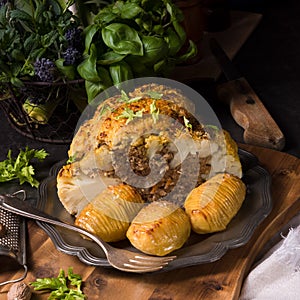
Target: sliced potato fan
{"type": "Point", "coordinates": [213, 204]}
{"type": "Point", "coordinates": [110, 212]}
{"type": "Point", "coordinates": [159, 228]}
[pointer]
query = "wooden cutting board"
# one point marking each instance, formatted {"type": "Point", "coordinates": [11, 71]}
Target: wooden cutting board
{"type": "Point", "coordinates": [219, 280]}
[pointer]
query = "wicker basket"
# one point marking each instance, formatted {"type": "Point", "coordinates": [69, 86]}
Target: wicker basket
{"type": "Point", "coordinates": [69, 98]}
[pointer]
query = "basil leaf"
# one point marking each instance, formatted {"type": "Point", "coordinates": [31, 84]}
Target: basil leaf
{"type": "Point", "coordinates": [155, 48]}
{"type": "Point", "coordinates": [191, 52]}
{"type": "Point", "coordinates": [87, 69]}
{"type": "Point", "coordinates": [120, 72]}
{"type": "Point", "coordinates": [93, 89]}
{"type": "Point", "coordinates": [110, 58]}
{"type": "Point", "coordinates": [130, 10]}
{"type": "Point", "coordinates": [138, 67]}
{"type": "Point", "coordinates": [68, 71]}
{"type": "Point", "coordinates": [173, 41]}
{"type": "Point", "coordinates": [122, 39]}
{"type": "Point", "coordinates": [164, 67]}
{"type": "Point", "coordinates": [89, 33]}
{"type": "Point", "coordinates": [180, 31]}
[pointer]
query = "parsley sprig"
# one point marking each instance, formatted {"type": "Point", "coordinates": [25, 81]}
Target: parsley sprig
{"type": "Point", "coordinates": [154, 111]}
{"type": "Point", "coordinates": [129, 114]}
{"type": "Point", "coordinates": [20, 167]}
{"type": "Point", "coordinates": [187, 123]}
{"type": "Point", "coordinates": [62, 287]}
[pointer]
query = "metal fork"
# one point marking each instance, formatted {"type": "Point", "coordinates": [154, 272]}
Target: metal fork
{"type": "Point", "coordinates": [120, 259]}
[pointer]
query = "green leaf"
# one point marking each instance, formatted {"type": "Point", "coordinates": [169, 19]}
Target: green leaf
{"type": "Point", "coordinates": [61, 287]}
{"type": "Point", "coordinates": [17, 55]}
{"type": "Point", "coordinates": [154, 111]}
{"type": "Point", "coordinates": [37, 53]}
{"type": "Point", "coordinates": [20, 167]}
{"type": "Point", "coordinates": [120, 72]}
{"type": "Point", "coordinates": [75, 279]}
{"type": "Point", "coordinates": [155, 48]}
{"type": "Point", "coordinates": [191, 52]}
{"type": "Point", "coordinates": [48, 39]}
{"type": "Point", "coordinates": [88, 68]}
{"type": "Point", "coordinates": [180, 31]}
{"type": "Point", "coordinates": [187, 123]}
{"type": "Point", "coordinates": [57, 6]}
{"type": "Point", "coordinates": [154, 95]}
{"type": "Point", "coordinates": [46, 283]}
{"type": "Point", "coordinates": [3, 19]}
{"type": "Point", "coordinates": [93, 89]}
{"type": "Point", "coordinates": [173, 41]}
{"type": "Point", "coordinates": [104, 76]}
{"type": "Point", "coordinates": [68, 71]}
{"type": "Point", "coordinates": [20, 15]}
{"type": "Point", "coordinates": [130, 115]}
{"type": "Point", "coordinates": [130, 10]}
{"type": "Point", "coordinates": [139, 69]}
{"type": "Point", "coordinates": [16, 82]}
{"type": "Point", "coordinates": [31, 43]}
{"type": "Point", "coordinates": [122, 39]}
{"type": "Point", "coordinates": [110, 58]}
{"type": "Point", "coordinates": [89, 33]}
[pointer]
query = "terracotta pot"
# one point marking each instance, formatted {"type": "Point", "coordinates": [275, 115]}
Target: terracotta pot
{"type": "Point", "coordinates": [193, 23]}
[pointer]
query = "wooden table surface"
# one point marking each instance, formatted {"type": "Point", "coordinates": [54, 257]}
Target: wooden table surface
{"type": "Point", "coordinates": [219, 280]}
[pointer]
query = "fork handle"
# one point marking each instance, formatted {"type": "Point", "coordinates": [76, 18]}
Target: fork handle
{"type": "Point", "coordinates": [15, 205]}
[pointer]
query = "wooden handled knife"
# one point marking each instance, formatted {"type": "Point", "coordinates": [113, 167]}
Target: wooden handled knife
{"type": "Point", "coordinates": [246, 108]}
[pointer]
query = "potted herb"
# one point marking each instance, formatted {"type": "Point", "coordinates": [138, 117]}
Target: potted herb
{"type": "Point", "coordinates": [57, 52]}
{"type": "Point", "coordinates": [41, 45]}
{"type": "Point", "coordinates": [133, 38]}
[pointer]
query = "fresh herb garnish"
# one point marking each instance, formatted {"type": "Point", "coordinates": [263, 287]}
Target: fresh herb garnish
{"type": "Point", "coordinates": [129, 114]}
{"type": "Point", "coordinates": [71, 159]}
{"type": "Point", "coordinates": [213, 127]}
{"type": "Point", "coordinates": [154, 94]}
{"type": "Point", "coordinates": [60, 286]}
{"type": "Point", "coordinates": [187, 123]}
{"type": "Point", "coordinates": [125, 98]}
{"type": "Point", "coordinates": [154, 111]}
{"type": "Point", "coordinates": [104, 109]}
{"type": "Point", "coordinates": [20, 168]}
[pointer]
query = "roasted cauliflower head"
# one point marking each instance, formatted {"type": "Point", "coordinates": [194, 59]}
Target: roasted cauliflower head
{"type": "Point", "coordinates": [150, 147]}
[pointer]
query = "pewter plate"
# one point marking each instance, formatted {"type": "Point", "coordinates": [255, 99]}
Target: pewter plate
{"type": "Point", "coordinates": [198, 250]}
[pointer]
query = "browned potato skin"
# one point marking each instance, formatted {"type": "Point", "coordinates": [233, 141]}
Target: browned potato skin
{"type": "Point", "coordinates": [162, 235]}
{"type": "Point", "coordinates": [213, 204]}
{"type": "Point", "coordinates": [109, 214]}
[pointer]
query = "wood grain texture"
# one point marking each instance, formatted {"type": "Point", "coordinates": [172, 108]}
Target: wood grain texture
{"type": "Point", "coordinates": [219, 280]}
{"type": "Point", "coordinates": [249, 112]}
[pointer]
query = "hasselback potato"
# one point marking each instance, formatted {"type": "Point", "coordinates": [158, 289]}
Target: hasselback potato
{"type": "Point", "coordinates": [159, 228]}
{"type": "Point", "coordinates": [213, 204]}
{"type": "Point", "coordinates": [109, 214]}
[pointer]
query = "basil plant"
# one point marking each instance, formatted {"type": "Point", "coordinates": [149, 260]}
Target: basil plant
{"type": "Point", "coordinates": [134, 38]}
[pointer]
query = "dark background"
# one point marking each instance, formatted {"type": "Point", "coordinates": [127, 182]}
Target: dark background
{"type": "Point", "coordinates": [270, 60]}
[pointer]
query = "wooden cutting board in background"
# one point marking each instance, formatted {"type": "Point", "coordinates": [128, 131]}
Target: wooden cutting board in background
{"type": "Point", "coordinates": [219, 280]}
